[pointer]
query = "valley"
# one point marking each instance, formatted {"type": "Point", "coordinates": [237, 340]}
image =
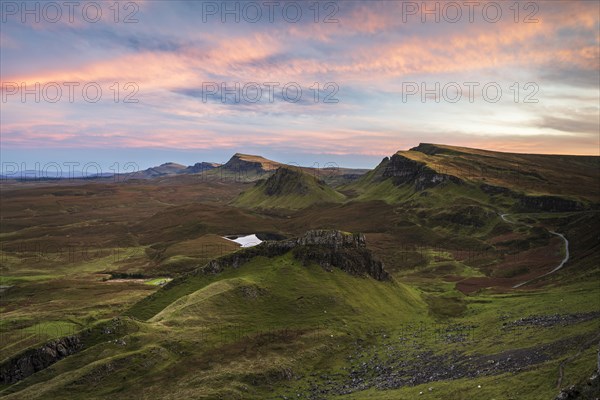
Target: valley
{"type": "Point", "coordinates": [443, 273]}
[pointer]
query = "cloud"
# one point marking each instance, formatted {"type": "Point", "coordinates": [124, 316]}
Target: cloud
{"type": "Point", "coordinates": [590, 124]}
{"type": "Point", "coordinates": [170, 53]}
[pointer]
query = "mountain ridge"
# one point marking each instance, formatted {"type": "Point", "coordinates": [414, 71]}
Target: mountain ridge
{"type": "Point", "coordinates": [429, 165]}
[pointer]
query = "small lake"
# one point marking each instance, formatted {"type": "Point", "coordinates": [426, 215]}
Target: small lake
{"type": "Point", "coordinates": [245, 241]}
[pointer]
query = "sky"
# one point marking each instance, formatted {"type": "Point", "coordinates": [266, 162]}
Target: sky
{"type": "Point", "coordinates": [311, 82]}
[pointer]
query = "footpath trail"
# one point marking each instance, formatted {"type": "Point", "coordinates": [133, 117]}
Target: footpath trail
{"type": "Point", "coordinates": [562, 263]}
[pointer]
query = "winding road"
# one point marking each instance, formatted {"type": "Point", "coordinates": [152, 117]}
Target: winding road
{"type": "Point", "coordinates": [562, 263]}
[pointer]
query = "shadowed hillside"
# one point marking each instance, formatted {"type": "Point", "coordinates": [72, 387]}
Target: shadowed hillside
{"type": "Point", "coordinates": [288, 188]}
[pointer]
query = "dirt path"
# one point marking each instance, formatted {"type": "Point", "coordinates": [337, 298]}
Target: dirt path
{"type": "Point", "coordinates": [562, 263]}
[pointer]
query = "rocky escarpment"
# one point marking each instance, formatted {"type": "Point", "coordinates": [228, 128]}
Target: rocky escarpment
{"type": "Point", "coordinates": [549, 203]}
{"type": "Point", "coordinates": [495, 190]}
{"type": "Point", "coordinates": [327, 248]}
{"type": "Point", "coordinates": [535, 203]}
{"type": "Point", "coordinates": [403, 170]}
{"type": "Point", "coordinates": [35, 360]}
{"type": "Point", "coordinates": [429, 149]}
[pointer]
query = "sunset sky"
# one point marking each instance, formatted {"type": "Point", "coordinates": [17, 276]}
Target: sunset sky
{"type": "Point", "coordinates": [377, 54]}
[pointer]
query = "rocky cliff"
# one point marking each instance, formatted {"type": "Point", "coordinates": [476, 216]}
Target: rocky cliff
{"type": "Point", "coordinates": [403, 170]}
{"type": "Point", "coordinates": [527, 203]}
{"type": "Point", "coordinates": [35, 360]}
{"type": "Point", "coordinates": [549, 203]}
{"type": "Point", "coordinates": [327, 248]}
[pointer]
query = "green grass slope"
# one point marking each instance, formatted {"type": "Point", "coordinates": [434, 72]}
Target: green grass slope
{"type": "Point", "coordinates": [288, 188]}
{"type": "Point", "coordinates": [274, 327]}
{"type": "Point", "coordinates": [230, 335]}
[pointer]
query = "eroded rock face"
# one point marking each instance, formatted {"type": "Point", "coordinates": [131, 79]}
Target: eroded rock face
{"type": "Point", "coordinates": [495, 190]}
{"type": "Point", "coordinates": [428, 148]}
{"type": "Point", "coordinates": [332, 238]}
{"type": "Point", "coordinates": [535, 203]}
{"type": "Point", "coordinates": [550, 203]}
{"type": "Point", "coordinates": [35, 360]}
{"type": "Point", "coordinates": [403, 170]}
{"type": "Point", "coordinates": [355, 261]}
{"type": "Point", "coordinates": [327, 248]}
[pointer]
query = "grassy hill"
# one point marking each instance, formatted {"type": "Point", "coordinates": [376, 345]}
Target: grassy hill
{"type": "Point", "coordinates": [302, 312]}
{"type": "Point", "coordinates": [288, 188]}
{"type": "Point", "coordinates": [274, 327]}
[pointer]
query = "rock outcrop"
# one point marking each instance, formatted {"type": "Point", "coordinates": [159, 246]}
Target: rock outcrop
{"type": "Point", "coordinates": [331, 238]}
{"type": "Point", "coordinates": [495, 190]}
{"type": "Point", "coordinates": [403, 170]}
{"type": "Point", "coordinates": [535, 203]}
{"type": "Point", "coordinates": [428, 148]}
{"type": "Point", "coordinates": [549, 203]}
{"type": "Point", "coordinates": [35, 360]}
{"type": "Point", "coordinates": [327, 248]}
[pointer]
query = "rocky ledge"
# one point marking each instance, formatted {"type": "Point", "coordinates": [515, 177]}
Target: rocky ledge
{"type": "Point", "coordinates": [35, 360]}
{"type": "Point", "coordinates": [327, 248]}
{"type": "Point", "coordinates": [403, 170]}
{"type": "Point", "coordinates": [549, 203]}
{"type": "Point", "coordinates": [527, 203]}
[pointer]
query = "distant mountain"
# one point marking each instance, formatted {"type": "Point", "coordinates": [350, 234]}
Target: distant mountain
{"type": "Point", "coordinates": [288, 188]}
{"type": "Point", "coordinates": [250, 168]}
{"type": "Point", "coordinates": [165, 169]}
{"type": "Point", "coordinates": [199, 168]}
{"type": "Point", "coordinates": [250, 163]}
{"type": "Point", "coordinates": [52, 174]}
{"type": "Point", "coordinates": [240, 167]}
{"type": "Point", "coordinates": [172, 169]}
